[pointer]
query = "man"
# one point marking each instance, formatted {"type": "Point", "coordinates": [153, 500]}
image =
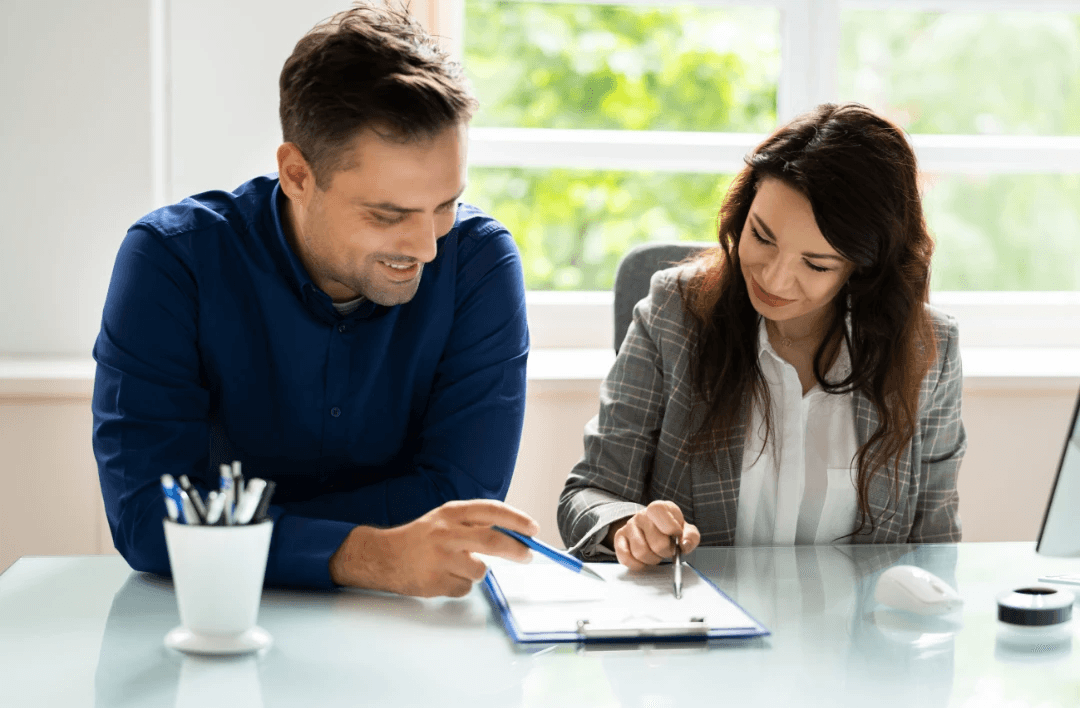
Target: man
{"type": "Point", "coordinates": [346, 329]}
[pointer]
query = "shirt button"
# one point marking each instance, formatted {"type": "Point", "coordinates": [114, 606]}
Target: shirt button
{"type": "Point", "coordinates": [341, 328]}
{"type": "Point", "coordinates": [335, 411]}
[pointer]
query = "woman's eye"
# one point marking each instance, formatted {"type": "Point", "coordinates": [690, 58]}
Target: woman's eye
{"type": "Point", "coordinates": [817, 268]}
{"type": "Point", "coordinates": [758, 237]}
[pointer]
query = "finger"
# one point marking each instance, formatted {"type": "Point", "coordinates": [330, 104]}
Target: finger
{"type": "Point", "coordinates": [453, 586]}
{"type": "Point", "coordinates": [639, 547]}
{"type": "Point", "coordinates": [468, 567]}
{"type": "Point", "coordinates": [691, 538]}
{"type": "Point", "coordinates": [622, 551]}
{"type": "Point", "coordinates": [456, 574]}
{"type": "Point", "coordinates": [481, 539]}
{"type": "Point", "coordinates": [489, 512]}
{"type": "Point", "coordinates": [440, 584]}
{"type": "Point", "coordinates": [666, 516]}
{"type": "Point", "coordinates": [660, 543]}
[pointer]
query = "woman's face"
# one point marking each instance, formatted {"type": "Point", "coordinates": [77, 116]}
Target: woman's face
{"type": "Point", "coordinates": [790, 269]}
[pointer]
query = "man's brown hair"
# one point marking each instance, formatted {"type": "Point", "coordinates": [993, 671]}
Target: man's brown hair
{"type": "Point", "coordinates": [372, 66]}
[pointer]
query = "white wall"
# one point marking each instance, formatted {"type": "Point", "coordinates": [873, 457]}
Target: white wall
{"type": "Point", "coordinates": [75, 141]}
{"type": "Point", "coordinates": [110, 109]}
{"type": "Point", "coordinates": [223, 113]}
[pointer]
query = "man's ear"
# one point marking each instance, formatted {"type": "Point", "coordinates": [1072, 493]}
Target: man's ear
{"type": "Point", "coordinates": [297, 179]}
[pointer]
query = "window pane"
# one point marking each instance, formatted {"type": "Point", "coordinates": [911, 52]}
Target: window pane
{"type": "Point", "coordinates": [568, 65]}
{"type": "Point", "coordinates": [1012, 73]}
{"type": "Point", "coordinates": [573, 226]}
{"type": "Point", "coordinates": [1010, 232]}
{"type": "Point", "coordinates": [1007, 232]}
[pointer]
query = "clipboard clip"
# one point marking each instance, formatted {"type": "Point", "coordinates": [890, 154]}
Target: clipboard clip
{"type": "Point", "coordinates": [696, 627]}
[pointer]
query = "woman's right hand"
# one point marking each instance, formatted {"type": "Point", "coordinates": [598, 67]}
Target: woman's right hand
{"type": "Point", "coordinates": [646, 537]}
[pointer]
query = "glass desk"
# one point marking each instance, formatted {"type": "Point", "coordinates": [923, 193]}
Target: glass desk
{"type": "Point", "coordinates": [85, 631]}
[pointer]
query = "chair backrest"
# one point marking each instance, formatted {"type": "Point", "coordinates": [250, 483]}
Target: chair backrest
{"type": "Point", "coordinates": [635, 270]}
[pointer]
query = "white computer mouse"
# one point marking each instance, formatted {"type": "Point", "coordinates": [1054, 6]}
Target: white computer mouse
{"type": "Point", "coordinates": [913, 589]}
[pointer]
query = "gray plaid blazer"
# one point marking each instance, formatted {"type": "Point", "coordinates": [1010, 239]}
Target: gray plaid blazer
{"type": "Point", "coordinates": [637, 447]}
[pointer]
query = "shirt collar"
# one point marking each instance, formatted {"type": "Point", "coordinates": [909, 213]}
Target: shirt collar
{"type": "Point", "coordinates": [317, 301]}
{"type": "Point", "coordinates": [840, 369]}
{"type": "Point", "coordinates": [299, 274]}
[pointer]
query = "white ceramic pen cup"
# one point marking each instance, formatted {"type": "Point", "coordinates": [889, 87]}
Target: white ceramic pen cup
{"type": "Point", "coordinates": [218, 575]}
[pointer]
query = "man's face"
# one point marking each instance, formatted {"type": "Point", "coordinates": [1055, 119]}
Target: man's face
{"type": "Point", "coordinates": [373, 228]}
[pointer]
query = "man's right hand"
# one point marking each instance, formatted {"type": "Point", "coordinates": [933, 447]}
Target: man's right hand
{"type": "Point", "coordinates": [432, 556]}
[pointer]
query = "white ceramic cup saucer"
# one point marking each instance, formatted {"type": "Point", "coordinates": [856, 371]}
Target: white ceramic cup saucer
{"type": "Point", "coordinates": [183, 639]}
{"type": "Point", "coordinates": [218, 575]}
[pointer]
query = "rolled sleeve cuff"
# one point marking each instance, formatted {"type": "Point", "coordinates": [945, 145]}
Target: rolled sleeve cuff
{"type": "Point", "coordinates": [301, 548]}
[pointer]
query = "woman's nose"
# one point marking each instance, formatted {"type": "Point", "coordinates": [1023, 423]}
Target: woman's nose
{"type": "Point", "coordinates": [776, 277]}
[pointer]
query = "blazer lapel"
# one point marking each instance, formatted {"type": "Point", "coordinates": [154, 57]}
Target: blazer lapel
{"type": "Point", "coordinates": [715, 479]}
{"type": "Point", "coordinates": [888, 513]}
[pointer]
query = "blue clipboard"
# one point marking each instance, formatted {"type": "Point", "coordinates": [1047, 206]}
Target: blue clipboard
{"type": "Point", "coordinates": [692, 630]}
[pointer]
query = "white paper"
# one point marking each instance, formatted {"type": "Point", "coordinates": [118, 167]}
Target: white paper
{"type": "Point", "coordinates": [546, 597]}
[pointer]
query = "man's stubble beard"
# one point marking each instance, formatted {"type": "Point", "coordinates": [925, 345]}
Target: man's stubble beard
{"type": "Point", "coordinates": [390, 295]}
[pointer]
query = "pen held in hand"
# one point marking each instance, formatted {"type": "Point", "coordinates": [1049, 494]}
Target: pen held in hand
{"type": "Point", "coordinates": [677, 563]}
{"type": "Point", "coordinates": [564, 559]}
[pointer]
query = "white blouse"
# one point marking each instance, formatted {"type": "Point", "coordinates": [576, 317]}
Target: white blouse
{"type": "Point", "coordinates": [800, 488]}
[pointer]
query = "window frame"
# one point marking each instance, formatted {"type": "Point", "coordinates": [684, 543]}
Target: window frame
{"type": "Point", "coordinates": [809, 63]}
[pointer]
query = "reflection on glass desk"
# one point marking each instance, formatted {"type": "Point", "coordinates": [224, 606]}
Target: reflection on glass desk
{"type": "Point", "coordinates": [87, 631]}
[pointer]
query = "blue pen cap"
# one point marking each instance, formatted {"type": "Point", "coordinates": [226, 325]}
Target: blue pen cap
{"type": "Point", "coordinates": [174, 505]}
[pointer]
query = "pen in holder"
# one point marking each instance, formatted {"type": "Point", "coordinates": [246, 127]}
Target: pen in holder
{"type": "Point", "coordinates": [218, 574]}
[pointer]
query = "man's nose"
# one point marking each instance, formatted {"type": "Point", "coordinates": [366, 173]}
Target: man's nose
{"type": "Point", "coordinates": [421, 241]}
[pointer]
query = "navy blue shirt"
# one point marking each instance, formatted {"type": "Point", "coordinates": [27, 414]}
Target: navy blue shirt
{"type": "Point", "coordinates": [215, 345]}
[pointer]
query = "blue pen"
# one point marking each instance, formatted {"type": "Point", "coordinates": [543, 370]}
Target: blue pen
{"type": "Point", "coordinates": [564, 559]}
{"type": "Point", "coordinates": [173, 502]}
{"type": "Point", "coordinates": [229, 492]}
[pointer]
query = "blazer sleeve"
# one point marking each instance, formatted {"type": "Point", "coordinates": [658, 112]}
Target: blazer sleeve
{"type": "Point", "coordinates": [936, 517]}
{"type": "Point", "coordinates": [609, 482]}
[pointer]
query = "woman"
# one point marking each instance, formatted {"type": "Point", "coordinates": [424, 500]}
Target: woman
{"type": "Point", "coordinates": [793, 385]}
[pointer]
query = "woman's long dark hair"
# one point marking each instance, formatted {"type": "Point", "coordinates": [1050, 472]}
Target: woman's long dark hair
{"type": "Point", "coordinates": [859, 174]}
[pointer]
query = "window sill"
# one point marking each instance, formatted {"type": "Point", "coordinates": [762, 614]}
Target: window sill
{"type": "Point", "coordinates": [985, 368]}
{"type": "Point", "coordinates": [576, 370]}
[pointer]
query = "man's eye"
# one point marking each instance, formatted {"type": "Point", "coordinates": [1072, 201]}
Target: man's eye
{"type": "Point", "coordinates": [389, 220]}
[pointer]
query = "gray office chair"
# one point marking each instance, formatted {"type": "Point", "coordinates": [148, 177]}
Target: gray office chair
{"type": "Point", "coordinates": [635, 270]}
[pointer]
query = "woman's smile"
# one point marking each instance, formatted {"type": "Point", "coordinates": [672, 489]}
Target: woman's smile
{"type": "Point", "coordinates": [767, 297]}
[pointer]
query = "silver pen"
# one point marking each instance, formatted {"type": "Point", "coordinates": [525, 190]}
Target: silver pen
{"type": "Point", "coordinates": [677, 561]}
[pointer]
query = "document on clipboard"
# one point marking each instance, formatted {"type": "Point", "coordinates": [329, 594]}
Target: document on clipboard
{"type": "Point", "coordinates": [542, 602]}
